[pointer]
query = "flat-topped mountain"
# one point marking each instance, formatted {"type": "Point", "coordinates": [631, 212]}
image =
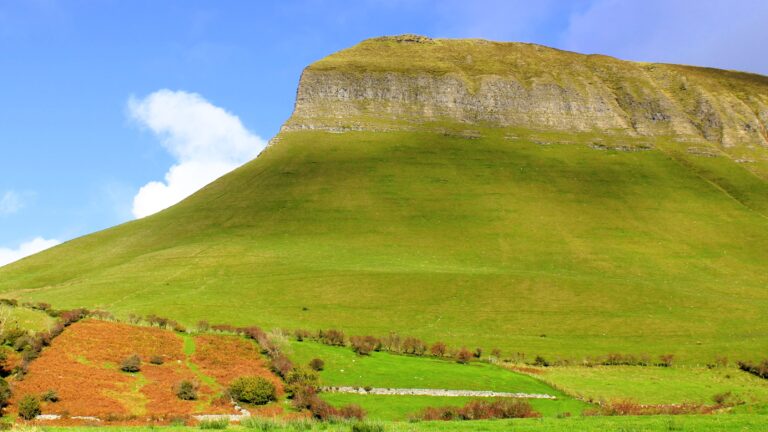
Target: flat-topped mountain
{"type": "Point", "coordinates": [480, 193]}
{"type": "Point", "coordinates": [404, 81]}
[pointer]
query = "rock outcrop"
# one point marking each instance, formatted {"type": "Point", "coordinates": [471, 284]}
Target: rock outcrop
{"type": "Point", "coordinates": [405, 82]}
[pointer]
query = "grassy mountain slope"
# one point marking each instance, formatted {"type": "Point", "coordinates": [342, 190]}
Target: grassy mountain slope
{"type": "Point", "coordinates": [548, 242]}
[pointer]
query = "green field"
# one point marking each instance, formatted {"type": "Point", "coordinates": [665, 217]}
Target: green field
{"type": "Point", "coordinates": [25, 318]}
{"type": "Point", "coordinates": [714, 423]}
{"type": "Point", "coordinates": [560, 250]}
{"type": "Point", "coordinates": [344, 368]}
{"type": "Point", "coordinates": [654, 385]}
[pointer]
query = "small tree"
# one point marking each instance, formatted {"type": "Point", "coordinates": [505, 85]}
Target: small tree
{"type": "Point", "coordinates": [131, 364]}
{"type": "Point", "coordinates": [186, 390]}
{"type": "Point", "coordinates": [478, 352]}
{"type": "Point", "coordinates": [29, 407]}
{"type": "Point", "coordinates": [463, 356]}
{"type": "Point", "coordinates": [254, 390]}
{"type": "Point", "coordinates": [438, 349]}
{"type": "Point", "coordinates": [317, 364]}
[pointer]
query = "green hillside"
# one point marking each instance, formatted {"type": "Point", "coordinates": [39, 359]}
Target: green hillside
{"type": "Point", "coordinates": [564, 244]}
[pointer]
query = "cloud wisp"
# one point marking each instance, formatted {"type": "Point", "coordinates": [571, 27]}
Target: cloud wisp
{"type": "Point", "coordinates": [10, 202]}
{"type": "Point", "coordinates": [205, 140]}
{"type": "Point", "coordinates": [38, 244]}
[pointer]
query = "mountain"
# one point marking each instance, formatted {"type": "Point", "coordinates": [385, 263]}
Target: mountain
{"type": "Point", "coordinates": [481, 193]}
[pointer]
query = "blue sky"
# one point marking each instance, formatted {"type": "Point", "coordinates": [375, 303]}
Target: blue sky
{"type": "Point", "coordinates": [88, 139]}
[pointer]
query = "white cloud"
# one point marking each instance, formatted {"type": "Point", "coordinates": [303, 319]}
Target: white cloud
{"type": "Point", "coordinates": [206, 141]}
{"type": "Point", "coordinates": [10, 203]}
{"type": "Point", "coordinates": [26, 249]}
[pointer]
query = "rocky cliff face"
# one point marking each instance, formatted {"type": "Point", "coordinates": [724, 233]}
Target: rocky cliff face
{"type": "Point", "coordinates": [406, 82]}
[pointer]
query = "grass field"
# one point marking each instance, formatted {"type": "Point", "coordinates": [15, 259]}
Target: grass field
{"type": "Point", "coordinates": [714, 423]}
{"type": "Point", "coordinates": [653, 385]}
{"type": "Point", "coordinates": [345, 368]}
{"type": "Point", "coordinates": [560, 250]}
{"type": "Point", "coordinates": [25, 318]}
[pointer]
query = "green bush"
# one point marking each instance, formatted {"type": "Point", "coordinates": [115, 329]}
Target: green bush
{"type": "Point", "coordinates": [221, 423]}
{"type": "Point", "coordinates": [5, 392]}
{"type": "Point", "coordinates": [254, 390]}
{"type": "Point", "coordinates": [186, 390]}
{"type": "Point", "coordinates": [29, 407]}
{"type": "Point", "coordinates": [131, 364]}
{"type": "Point", "coordinates": [317, 364]}
{"type": "Point", "coordinates": [50, 396]}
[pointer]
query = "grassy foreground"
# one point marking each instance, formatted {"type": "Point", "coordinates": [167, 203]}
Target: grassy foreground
{"type": "Point", "coordinates": [715, 423]}
{"type": "Point", "coordinates": [560, 250]}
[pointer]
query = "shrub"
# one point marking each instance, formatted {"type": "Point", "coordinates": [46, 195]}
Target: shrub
{"type": "Point", "coordinates": [438, 349]}
{"type": "Point", "coordinates": [131, 364]}
{"type": "Point", "coordinates": [5, 392]}
{"type": "Point", "coordinates": [478, 352]}
{"type": "Point", "coordinates": [757, 369]}
{"type": "Point", "coordinates": [203, 326]}
{"type": "Point", "coordinates": [186, 390]}
{"type": "Point", "coordinates": [281, 365]}
{"type": "Point", "coordinates": [413, 346]}
{"type": "Point", "coordinates": [254, 390]}
{"type": "Point", "coordinates": [391, 342]}
{"type": "Point", "coordinates": [29, 407]}
{"type": "Point", "coordinates": [301, 334]}
{"type": "Point", "coordinates": [364, 345]}
{"type": "Point", "coordinates": [220, 423]}
{"type": "Point", "coordinates": [317, 364]}
{"type": "Point", "coordinates": [50, 396]}
{"type": "Point", "coordinates": [332, 337]}
{"type": "Point", "coordinates": [156, 360]}
{"type": "Point", "coordinates": [463, 356]}
{"type": "Point", "coordinates": [632, 408]}
{"type": "Point", "coordinates": [481, 410]}
{"type": "Point", "coordinates": [666, 360]}
{"type": "Point", "coordinates": [721, 398]}
{"type": "Point", "coordinates": [302, 375]}
{"type": "Point", "coordinates": [540, 361]}
{"type": "Point", "coordinates": [351, 411]}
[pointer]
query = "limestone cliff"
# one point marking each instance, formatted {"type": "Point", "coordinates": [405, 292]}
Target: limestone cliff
{"type": "Point", "coordinates": [404, 82]}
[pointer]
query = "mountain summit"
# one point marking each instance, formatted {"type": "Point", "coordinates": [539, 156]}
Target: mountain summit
{"type": "Point", "coordinates": [481, 193]}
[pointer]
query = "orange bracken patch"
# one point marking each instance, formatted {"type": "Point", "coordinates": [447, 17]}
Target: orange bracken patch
{"type": "Point", "coordinates": [82, 366]}
{"type": "Point", "coordinates": [226, 358]}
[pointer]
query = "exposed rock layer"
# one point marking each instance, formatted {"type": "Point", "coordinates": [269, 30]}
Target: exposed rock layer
{"type": "Point", "coordinates": [367, 87]}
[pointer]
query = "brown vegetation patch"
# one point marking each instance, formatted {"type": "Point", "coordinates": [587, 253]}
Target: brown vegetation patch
{"type": "Point", "coordinates": [226, 358]}
{"type": "Point", "coordinates": [632, 408]}
{"type": "Point", "coordinates": [82, 367]}
{"type": "Point", "coordinates": [525, 369]}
